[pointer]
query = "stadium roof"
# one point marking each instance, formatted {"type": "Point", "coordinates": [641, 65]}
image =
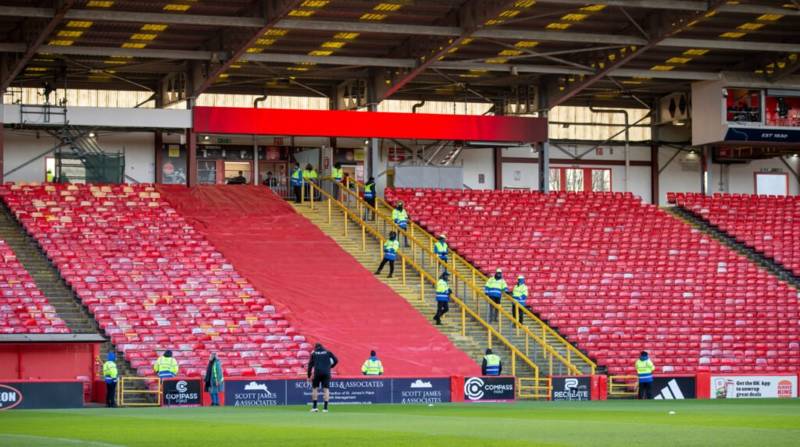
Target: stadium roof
{"type": "Point", "coordinates": [605, 51]}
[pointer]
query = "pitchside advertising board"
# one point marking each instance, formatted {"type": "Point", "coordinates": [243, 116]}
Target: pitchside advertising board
{"type": "Point", "coordinates": [186, 393]}
{"type": "Point", "coordinates": [489, 389]}
{"type": "Point", "coordinates": [753, 387]}
{"type": "Point", "coordinates": [264, 393]}
{"type": "Point", "coordinates": [668, 388]}
{"type": "Point", "coordinates": [571, 388]}
{"type": "Point", "coordinates": [30, 395]}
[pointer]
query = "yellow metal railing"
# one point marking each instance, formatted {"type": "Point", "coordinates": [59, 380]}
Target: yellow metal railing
{"type": "Point", "coordinates": [540, 389]}
{"type": "Point", "coordinates": [423, 242]}
{"type": "Point", "coordinates": [620, 387]}
{"type": "Point", "coordinates": [127, 396]}
{"type": "Point", "coordinates": [348, 216]}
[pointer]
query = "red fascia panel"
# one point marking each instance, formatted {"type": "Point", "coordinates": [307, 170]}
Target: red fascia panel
{"type": "Point", "coordinates": [337, 123]}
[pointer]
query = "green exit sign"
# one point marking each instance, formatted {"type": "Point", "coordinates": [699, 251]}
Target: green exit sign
{"type": "Point", "coordinates": [221, 140]}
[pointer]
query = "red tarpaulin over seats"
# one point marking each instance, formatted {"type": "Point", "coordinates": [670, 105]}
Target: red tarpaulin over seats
{"type": "Point", "coordinates": [326, 294]}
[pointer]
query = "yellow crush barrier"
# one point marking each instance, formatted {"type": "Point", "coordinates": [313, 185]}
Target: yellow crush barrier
{"type": "Point", "coordinates": [140, 396]}
{"type": "Point", "coordinates": [539, 389]}
{"type": "Point", "coordinates": [622, 387]}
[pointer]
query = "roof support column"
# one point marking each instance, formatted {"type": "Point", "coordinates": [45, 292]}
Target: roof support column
{"type": "Point", "coordinates": [191, 158]}
{"type": "Point", "coordinates": [654, 180]}
{"type": "Point", "coordinates": [543, 147]}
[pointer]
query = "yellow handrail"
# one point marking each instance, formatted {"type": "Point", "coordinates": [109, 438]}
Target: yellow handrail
{"type": "Point", "coordinates": [465, 310]}
{"type": "Point", "coordinates": [540, 388]}
{"type": "Point", "coordinates": [459, 262]}
{"type": "Point", "coordinates": [623, 386]}
{"type": "Point", "coordinates": [476, 291]}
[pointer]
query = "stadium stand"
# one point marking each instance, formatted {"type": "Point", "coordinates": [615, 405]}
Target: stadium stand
{"type": "Point", "coordinates": [23, 307]}
{"type": "Point", "coordinates": [767, 224]}
{"type": "Point", "coordinates": [153, 282]}
{"type": "Point", "coordinates": [326, 293]}
{"type": "Point", "coordinates": [616, 276]}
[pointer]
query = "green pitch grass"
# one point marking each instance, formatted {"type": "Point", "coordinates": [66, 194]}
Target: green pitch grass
{"type": "Point", "coordinates": [695, 423]}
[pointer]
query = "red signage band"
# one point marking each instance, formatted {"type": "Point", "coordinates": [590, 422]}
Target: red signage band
{"type": "Point", "coordinates": [337, 123]}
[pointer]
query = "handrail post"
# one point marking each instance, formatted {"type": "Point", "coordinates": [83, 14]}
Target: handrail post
{"type": "Point", "coordinates": [363, 238]}
{"type": "Point", "coordinates": [463, 321]}
{"type": "Point", "coordinates": [403, 266]}
{"type": "Point", "coordinates": [421, 288]}
{"type": "Point", "coordinates": [513, 363]}
{"type": "Point", "coordinates": [302, 192]}
{"type": "Point", "coordinates": [311, 190]}
{"type": "Point", "coordinates": [344, 217]}
{"type": "Point", "coordinates": [330, 212]}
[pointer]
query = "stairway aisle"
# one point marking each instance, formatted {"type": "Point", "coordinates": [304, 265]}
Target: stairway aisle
{"type": "Point", "coordinates": [475, 338]}
{"type": "Point", "coordinates": [48, 280]}
{"type": "Point", "coordinates": [765, 262]}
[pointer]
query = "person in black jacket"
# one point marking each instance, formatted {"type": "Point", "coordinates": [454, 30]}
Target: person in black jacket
{"type": "Point", "coordinates": [320, 364]}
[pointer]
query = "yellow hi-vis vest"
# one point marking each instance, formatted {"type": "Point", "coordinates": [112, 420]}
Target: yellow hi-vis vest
{"type": "Point", "coordinates": [372, 367]}
{"type": "Point", "coordinates": [400, 218]}
{"type": "Point", "coordinates": [440, 248]}
{"type": "Point", "coordinates": [297, 177]}
{"type": "Point", "coordinates": [495, 287]}
{"type": "Point", "coordinates": [442, 290]}
{"type": "Point", "coordinates": [390, 248]}
{"type": "Point", "coordinates": [110, 371]}
{"type": "Point", "coordinates": [645, 368]}
{"type": "Point", "coordinates": [369, 191]}
{"type": "Point", "coordinates": [166, 367]}
{"type": "Point", "coordinates": [520, 293]}
{"type": "Point", "coordinates": [492, 364]}
{"type": "Point", "coordinates": [310, 175]}
{"type": "Point", "coordinates": [337, 174]}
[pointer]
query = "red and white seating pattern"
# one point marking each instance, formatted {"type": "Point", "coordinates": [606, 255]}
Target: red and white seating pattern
{"type": "Point", "coordinates": [153, 283]}
{"type": "Point", "coordinates": [23, 307]}
{"type": "Point", "coordinates": [769, 224]}
{"type": "Point", "coordinates": [616, 276]}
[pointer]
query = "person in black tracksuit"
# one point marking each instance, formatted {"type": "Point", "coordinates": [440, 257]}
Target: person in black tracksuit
{"type": "Point", "coordinates": [320, 364]}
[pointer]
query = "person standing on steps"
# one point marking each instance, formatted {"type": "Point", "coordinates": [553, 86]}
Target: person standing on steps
{"type": "Point", "coordinates": [166, 367]}
{"type": "Point", "coordinates": [369, 197]}
{"type": "Point", "coordinates": [644, 369]}
{"type": "Point", "coordinates": [214, 380]}
{"type": "Point", "coordinates": [442, 298]}
{"type": "Point", "coordinates": [297, 182]}
{"type": "Point", "coordinates": [492, 365]}
{"type": "Point", "coordinates": [400, 218]}
{"type": "Point", "coordinates": [441, 249]}
{"type": "Point", "coordinates": [494, 288]}
{"type": "Point", "coordinates": [390, 248]}
{"type": "Point", "coordinates": [338, 175]}
{"type": "Point", "coordinates": [309, 176]}
{"type": "Point", "coordinates": [520, 295]}
{"type": "Point", "coordinates": [110, 376]}
{"type": "Point", "coordinates": [320, 364]}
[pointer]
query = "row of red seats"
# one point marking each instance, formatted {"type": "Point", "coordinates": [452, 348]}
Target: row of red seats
{"type": "Point", "coordinates": [154, 283]}
{"type": "Point", "coordinates": [676, 292]}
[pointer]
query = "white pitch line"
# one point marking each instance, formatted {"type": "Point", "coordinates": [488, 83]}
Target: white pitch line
{"type": "Point", "coordinates": [60, 441]}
